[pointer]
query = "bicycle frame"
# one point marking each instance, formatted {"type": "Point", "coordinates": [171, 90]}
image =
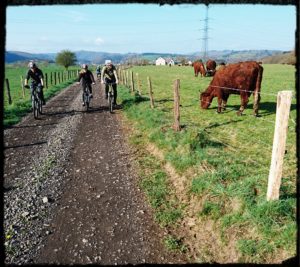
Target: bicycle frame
{"type": "Point", "coordinates": [36, 100]}
{"type": "Point", "coordinates": [110, 96]}
{"type": "Point", "coordinates": [86, 97]}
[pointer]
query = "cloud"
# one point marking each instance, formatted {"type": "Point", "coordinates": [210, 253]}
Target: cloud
{"type": "Point", "coordinates": [99, 41]}
{"type": "Point", "coordinates": [74, 16]}
{"type": "Point", "coordinates": [44, 39]}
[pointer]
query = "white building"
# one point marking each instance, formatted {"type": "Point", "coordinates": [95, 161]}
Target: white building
{"type": "Point", "coordinates": [170, 61]}
{"type": "Point", "coordinates": [160, 61]}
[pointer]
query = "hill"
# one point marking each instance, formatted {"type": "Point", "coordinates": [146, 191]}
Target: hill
{"type": "Point", "coordinates": [288, 57]}
{"type": "Point", "coordinates": [227, 56]}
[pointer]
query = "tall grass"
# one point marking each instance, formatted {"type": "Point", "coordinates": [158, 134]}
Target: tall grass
{"type": "Point", "coordinates": [225, 157]}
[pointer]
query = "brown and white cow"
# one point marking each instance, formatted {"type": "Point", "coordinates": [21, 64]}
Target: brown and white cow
{"type": "Point", "coordinates": [241, 78]}
{"type": "Point", "coordinates": [199, 68]}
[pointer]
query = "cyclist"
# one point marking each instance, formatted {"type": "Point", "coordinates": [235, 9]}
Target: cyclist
{"type": "Point", "coordinates": [109, 75]}
{"type": "Point", "coordinates": [37, 77]}
{"type": "Point", "coordinates": [87, 78]}
{"type": "Point", "coordinates": [98, 71]}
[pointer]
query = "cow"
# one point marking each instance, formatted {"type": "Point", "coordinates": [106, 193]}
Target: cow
{"type": "Point", "coordinates": [210, 67]}
{"type": "Point", "coordinates": [241, 78]}
{"type": "Point", "coordinates": [199, 68]}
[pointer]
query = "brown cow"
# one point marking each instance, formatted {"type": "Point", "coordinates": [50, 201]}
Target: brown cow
{"type": "Point", "coordinates": [241, 78]}
{"type": "Point", "coordinates": [210, 67]}
{"type": "Point", "coordinates": [199, 68]}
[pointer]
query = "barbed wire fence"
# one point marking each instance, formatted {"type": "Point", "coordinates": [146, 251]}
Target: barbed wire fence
{"type": "Point", "coordinates": [280, 125]}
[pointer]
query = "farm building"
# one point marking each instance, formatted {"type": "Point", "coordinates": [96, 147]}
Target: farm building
{"type": "Point", "coordinates": [170, 61]}
{"type": "Point", "coordinates": [163, 61]}
{"type": "Point", "coordinates": [160, 61]}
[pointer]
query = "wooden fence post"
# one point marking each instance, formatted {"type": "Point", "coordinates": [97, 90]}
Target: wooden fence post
{"type": "Point", "coordinates": [138, 84]}
{"type": "Point", "coordinates": [132, 82]}
{"type": "Point", "coordinates": [150, 93]}
{"type": "Point", "coordinates": [125, 78]}
{"type": "Point", "coordinates": [8, 91]}
{"type": "Point", "coordinates": [127, 74]}
{"type": "Point", "coordinates": [22, 86]}
{"type": "Point", "coordinates": [58, 77]}
{"type": "Point", "coordinates": [284, 99]}
{"type": "Point", "coordinates": [46, 79]}
{"type": "Point", "coordinates": [55, 78]}
{"type": "Point", "coordinates": [176, 106]}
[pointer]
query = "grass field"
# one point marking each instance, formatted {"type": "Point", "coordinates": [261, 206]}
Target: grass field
{"type": "Point", "coordinates": [208, 182]}
{"type": "Point", "coordinates": [21, 106]}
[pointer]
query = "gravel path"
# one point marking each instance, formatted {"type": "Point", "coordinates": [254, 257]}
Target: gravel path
{"type": "Point", "coordinates": [71, 192]}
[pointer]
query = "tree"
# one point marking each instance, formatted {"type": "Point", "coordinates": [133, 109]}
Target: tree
{"type": "Point", "coordinates": [66, 58]}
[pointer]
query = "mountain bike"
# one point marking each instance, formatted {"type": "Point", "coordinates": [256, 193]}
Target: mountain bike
{"type": "Point", "coordinates": [110, 96]}
{"type": "Point", "coordinates": [98, 74]}
{"type": "Point", "coordinates": [87, 97]}
{"type": "Point", "coordinates": [36, 100]}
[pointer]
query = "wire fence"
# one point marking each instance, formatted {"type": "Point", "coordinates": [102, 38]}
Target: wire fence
{"type": "Point", "coordinates": [50, 79]}
{"type": "Point", "coordinates": [249, 141]}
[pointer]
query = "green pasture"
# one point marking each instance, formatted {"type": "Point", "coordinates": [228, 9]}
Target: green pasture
{"type": "Point", "coordinates": [225, 157]}
{"type": "Point", "coordinates": [21, 106]}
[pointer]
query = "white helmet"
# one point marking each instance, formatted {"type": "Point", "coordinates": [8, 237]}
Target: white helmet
{"type": "Point", "coordinates": [31, 64]}
{"type": "Point", "coordinates": [108, 62]}
{"type": "Point", "coordinates": [84, 66]}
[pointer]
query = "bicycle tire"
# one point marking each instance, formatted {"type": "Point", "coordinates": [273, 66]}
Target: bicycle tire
{"type": "Point", "coordinates": [87, 103]}
{"type": "Point", "coordinates": [111, 105]}
{"type": "Point", "coordinates": [87, 98]}
{"type": "Point", "coordinates": [40, 106]}
{"type": "Point", "coordinates": [36, 108]}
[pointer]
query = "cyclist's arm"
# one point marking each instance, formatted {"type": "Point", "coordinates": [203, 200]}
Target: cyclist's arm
{"type": "Point", "coordinates": [116, 76]}
{"type": "Point", "coordinates": [26, 79]}
{"type": "Point", "coordinates": [92, 77]}
{"type": "Point", "coordinates": [102, 75]}
{"type": "Point", "coordinates": [42, 82]}
{"type": "Point", "coordinates": [42, 78]}
{"type": "Point", "coordinates": [79, 77]}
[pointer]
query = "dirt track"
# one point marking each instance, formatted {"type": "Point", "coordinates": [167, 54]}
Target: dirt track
{"type": "Point", "coordinates": [71, 192]}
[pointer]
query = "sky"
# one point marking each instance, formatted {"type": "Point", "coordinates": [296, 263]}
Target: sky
{"type": "Point", "coordinates": [138, 28]}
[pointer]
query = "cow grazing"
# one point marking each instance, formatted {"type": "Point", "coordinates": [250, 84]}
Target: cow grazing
{"type": "Point", "coordinates": [199, 68]}
{"type": "Point", "coordinates": [211, 67]}
{"type": "Point", "coordinates": [241, 78]}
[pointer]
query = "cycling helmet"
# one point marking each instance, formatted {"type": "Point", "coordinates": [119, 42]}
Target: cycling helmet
{"type": "Point", "coordinates": [108, 62]}
{"type": "Point", "coordinates": [31, 64]}
{"type": "Point", "coordinates": [84, 66]}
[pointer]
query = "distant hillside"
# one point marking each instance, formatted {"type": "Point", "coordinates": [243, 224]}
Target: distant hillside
{"type": "Point", "coordinates": [227, 56]}
{"type": "Point", "coordinates": [231, 56]}
{"type": "Point", "coordinates": [14, 56]}
{"type": "Point", "coordinates": [288, 57]}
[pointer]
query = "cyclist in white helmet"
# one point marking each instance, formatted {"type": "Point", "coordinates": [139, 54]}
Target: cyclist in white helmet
{"type": "Point", "coordinates": [87, 78]}
{"type": "Point", "coordinates": [37, 79]}
{"type": "Point", "coordinates": [109, 75]}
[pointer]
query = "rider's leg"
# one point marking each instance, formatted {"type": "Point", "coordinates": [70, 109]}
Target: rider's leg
{"type": "Point", "coordinates": [42, 95]}
{"type": "Point", "coordinates": [83, 95]}
{"type": "Point", "coordinates": [90, 88]}
{"type": "Point", "coordinates": [106, 91]}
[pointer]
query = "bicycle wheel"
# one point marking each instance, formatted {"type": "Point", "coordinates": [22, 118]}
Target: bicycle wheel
{"type": "Point", "coordinates": [40, 105]}
{"type": "Point", "coordinates": [111, 101]}
{"type": "Point", "coordinates": [36, 107]}
{"type": "Point", "coordinates": [87, 99]}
